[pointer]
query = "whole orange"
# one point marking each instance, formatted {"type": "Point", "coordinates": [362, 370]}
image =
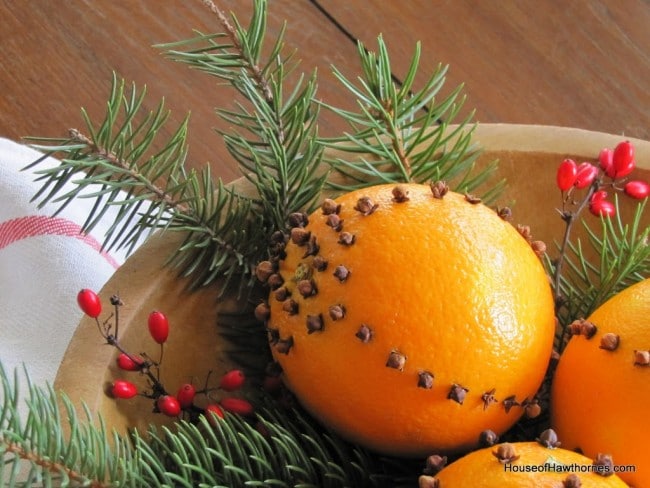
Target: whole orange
{"type": "Point", "coordinates": [532, 466]}
{"type": "Point", "coordinates": [600, 398]}
{"type": "Point", "coordinates": [409, 323]}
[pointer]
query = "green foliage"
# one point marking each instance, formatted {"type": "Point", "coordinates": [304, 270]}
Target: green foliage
{"type": "Point", "coordinates": [621, 257]}
{"type": "Point", "coordinates": [122, 165]}
{"type": "Point", "coordinates": [118, 155]}
{"type": "Point", "coordinates": [279, 447]}
{"type": "Point", "coordinates": [35, 451]}
{"type": "Point", "coordinates": [400, 134]}
{"type": "Point", "coordinates": [275, 134]}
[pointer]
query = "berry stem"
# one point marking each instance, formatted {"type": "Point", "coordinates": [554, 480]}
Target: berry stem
{"type": "Point", "coordinates": [157, 386]}
{"type": "Point", "coordinates": [206, 390]}
{"type": "Point", "coordinates": [102, 332]}
{"type": "Point", "coordinates": [160, 358]}
{"type": "Point", "coordinates": [112, 339]}
{"type": "Point", "coordinates": [569, 217]}
{"type": "Point", "coordinates": [117, 319]}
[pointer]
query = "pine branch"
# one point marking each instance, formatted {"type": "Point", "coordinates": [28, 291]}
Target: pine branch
{"type": "Point", "coordinates": [274, 135]}
{"type": "Point", "coordinates": [282, 161]}
{"type": "Point", "coordinates": [110, 158]}
{"type": "Point", "coordinates": [279, 448]}
{"type": "Point", "coordinates": [248, 44]}
{"type": "Point", "coordinates": [119, 166]}
{"type": "Point", "coordinates": [401, 135]}
{"type": "Point", "coordinates": [275, 142]}
{"type": "Point", "coordinates": [36, 452]}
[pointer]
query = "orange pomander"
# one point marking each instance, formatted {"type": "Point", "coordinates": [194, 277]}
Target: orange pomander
{"type": "Point", "coordinates": [410, 318]}
{"type": "Point", "coordinates": [526, 465]}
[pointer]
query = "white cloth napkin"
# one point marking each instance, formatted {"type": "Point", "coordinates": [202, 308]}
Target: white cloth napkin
{"type": "Point", "coordinates": [44, 262]}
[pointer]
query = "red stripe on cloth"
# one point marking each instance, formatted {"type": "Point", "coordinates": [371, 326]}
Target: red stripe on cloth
{"type": "Point", "coordinates": [38, 225]}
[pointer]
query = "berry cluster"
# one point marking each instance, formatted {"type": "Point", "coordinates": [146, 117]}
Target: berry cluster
{"type": "Point", "coordinates": [611, 174]}
{"type": "Point", "coordinates": [214, 400]}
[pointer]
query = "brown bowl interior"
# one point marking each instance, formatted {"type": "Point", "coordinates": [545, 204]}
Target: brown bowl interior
{"type": "Point", "coordinates": [528, 157]}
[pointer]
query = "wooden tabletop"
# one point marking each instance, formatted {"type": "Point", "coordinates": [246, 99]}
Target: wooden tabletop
{"type": "Point", "coordinates": [583, 63]}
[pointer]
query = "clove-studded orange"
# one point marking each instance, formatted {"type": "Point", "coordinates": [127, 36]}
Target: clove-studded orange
{"type": "Point", "coordinates": [409, 318]}
{"type": "Point", "coordinates": [526, 465]}
{"type": "Point", "coordinates": [601, 388]}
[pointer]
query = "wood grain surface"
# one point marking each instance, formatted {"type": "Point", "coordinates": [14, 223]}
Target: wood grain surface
{"type": "Point", "coordinates": [582, 63]}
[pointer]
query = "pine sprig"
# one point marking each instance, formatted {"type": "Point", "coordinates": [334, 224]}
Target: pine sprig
{"type": "Point", "coordinates": [274, 139]}
{"type": "Point", "coordinates": [226, 233]}
{"type": "Point", "coordinates": [106, 162]}
{"type": "Point", "coordinates": [119, 167]}
{"type": "Point", "coordinates": [275, 133]}
{"type": "Point", "coordinates": [620, 257]}
{"type": "Point", "coordinates": [36, 452]}
{"type": "Point", "coordinates": [402, 135]}
{"type": "Point", "coordinates": [282, 161]}
{"type": "Point", "coordinates": [279, 448]}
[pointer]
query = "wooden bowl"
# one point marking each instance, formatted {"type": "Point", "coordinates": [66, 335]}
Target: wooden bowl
{"type": "Point", "coordinates": [528, 158]}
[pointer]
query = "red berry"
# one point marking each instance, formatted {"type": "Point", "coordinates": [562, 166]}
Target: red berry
{"type": "Point", "coordinates": [606, 160]}
{"type": "Point", "coordinates": [168, 405]}
{"type": "Point", "coordinates": [602, 208]}
{"type": "Point", "coordinates": [186, 395]}
{"type": "Point", "coordinates": [158, 326]}
{"type": "Point", "coordinates": [212, 411]}
{"type": "Point", "coordinates": [637, 189]}
{"type": "Point", "coordinates": [89, 303]}
{"type": "Point", "coordinates": [623, 159]}
{"type": "Point", "coordinates": [237, 406]}
{"type": "Point", "coordinates": [566, 174]}
{"type": "Point", "coordinates": [129, 363]}
{"type": "Point", "coordinates": [123, 389]}
{"type": "Point", "coordinates": [624, 170]}
{"type": "Point", "coordinates": [232, 380]}
{"type": "Point", "coordinates": [585, 176]}
{"type": "Point", "coordinates": [599, 195]}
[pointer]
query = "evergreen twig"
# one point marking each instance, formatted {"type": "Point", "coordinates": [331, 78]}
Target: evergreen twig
{"type": "Point", "coordinates": [274, 140]}
{"type": "Point", "coordinates": [399, 134]}
{"type": "Point", "coordinates": [119, 166]}
{"type": "Point", "coordinates": [275, 136]}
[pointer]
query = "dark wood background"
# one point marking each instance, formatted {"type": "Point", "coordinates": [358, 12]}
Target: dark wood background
{"type": "Point", "coordinates": [579, 63]}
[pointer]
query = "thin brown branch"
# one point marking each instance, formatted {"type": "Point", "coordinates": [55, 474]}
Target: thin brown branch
{"type": "Point", "coordinates": [253, 67]}
{"type": "Point", "coordinates": [569, 219]}
{"type": "Point", "coordinates": [49, 465]}
{"type": "Point", "coordinates": [160, 194]}
{"type": "Point", "coordinates": [398, 147]}
{"type": "Point", "coordinates": [232, 34]}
